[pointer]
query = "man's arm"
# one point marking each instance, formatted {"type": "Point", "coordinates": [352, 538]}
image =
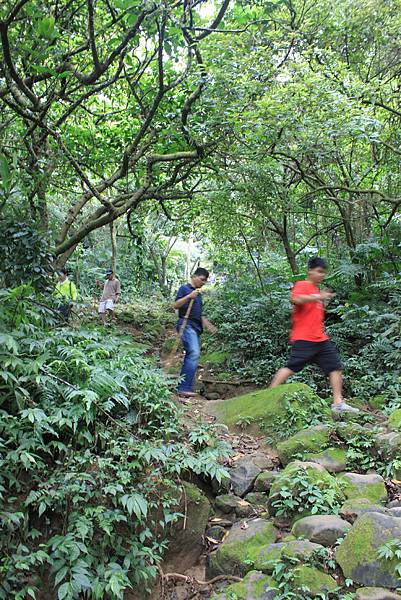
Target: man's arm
{"type": "Point", "coordinates": [305, 298]}
{"type": "Point", "coordinates": [181, 301]}
{"type": "Point", "coordinates": [118, 291]}
{"type": "Point", "coordinates": [208, 325]}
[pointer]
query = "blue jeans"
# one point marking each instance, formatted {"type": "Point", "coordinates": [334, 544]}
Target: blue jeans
{"type": "Point", "coordinates": [191, 343]}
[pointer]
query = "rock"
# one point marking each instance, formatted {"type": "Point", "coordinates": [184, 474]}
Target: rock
{"type": "Point", "coordinates": [352, 509]}
{"type": "Point", "coordinates": [394, 504]}
{"type": "Point", "coordinates": [358, 554]}
{"type": "Point", "coordinates": [243, 475]}
{"type": "Point", "coordinates": [216, 532]}
{"type": "Point", "coordinates": [266, 410]}
{"type": "Point", "coordinates": [228, 503]}
{"type": "Point", "coordinates": [264, 481]}
{"type": "Point", "coordinates": [221, 487]}
{"type": "Point", "coordinates": [378, 402]}
{"type": "Point", "coordinates": [334, 460]}
{"type": "Point", "coordinates": [395, 512]}
{"type": "Point", "coordinates": [185, 545]}
{"type": "Point", "coordinates": [313, 579]}
{"type": "Point", "coordinates": [302, 549]}
{"type": "Point", "coordinates": [346, 431]}
{"type": "Point", "coordinates": [254, 586]}
{"type": "Point", "coordinates": [257, 499]}
{"type": "Point", "coordinates": [321, 529]}
{"type": "Point", "coordinates": [286, 481]}
{"type": "Point", "coordinates": [212, 396]}
{"type": "Point", "coordinates": [240, 548]}
{"type": "Point", "coordinates": [307, 440]}
{"type": "Point", "coordinates": [388, 445]}
{"type": "Point", "coordinates": [394, 420]}
{"type": "Point", "coordinates": [370, 486]}
{"type": "Point", "coordinates": [375, 593]}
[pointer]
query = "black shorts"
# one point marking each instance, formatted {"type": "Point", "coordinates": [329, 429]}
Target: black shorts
{"type": "Point", "coordinates": [324, 354]}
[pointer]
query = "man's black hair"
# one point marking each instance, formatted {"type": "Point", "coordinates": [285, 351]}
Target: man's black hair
{"type": "Point", "coordinates": [202, 272]}
{"type": "Point", "coordinates": [64, 271]}
{"type": "Point", "coordinates": [316, 262]}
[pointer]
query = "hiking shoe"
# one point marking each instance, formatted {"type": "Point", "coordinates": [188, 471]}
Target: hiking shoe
{"type": "Point", "coordinates": [344, 407]}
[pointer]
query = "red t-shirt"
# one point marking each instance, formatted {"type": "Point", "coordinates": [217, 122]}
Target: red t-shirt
{"type": "Point", "coordinates": [307, 319]}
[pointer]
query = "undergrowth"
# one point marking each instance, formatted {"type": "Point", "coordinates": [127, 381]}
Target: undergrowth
{"type": "Point", "coordinates": [91, 456]}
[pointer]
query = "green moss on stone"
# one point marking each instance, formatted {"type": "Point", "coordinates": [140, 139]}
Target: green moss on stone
{"type": "Point", "coordinates": [306, 440]}
{"type": "Point", "coordinates": [316, 581]}
{"type": "Point", "coordinates": [218, 357]}
{"type": "Point", "coordinates": [394, 421]}
{"type": "Point", "coordinates": [238, 557]}
{"type": "Point", "coordinates": [378, 402]}
{"type": "Point", "coordinates": [267, 408]}
{"type": "Point", "coordinates": [332, 459]}
{"type": "Point", "coordinates": [376, 492]}
{"type": "Point", "coordinates": [253, 585]}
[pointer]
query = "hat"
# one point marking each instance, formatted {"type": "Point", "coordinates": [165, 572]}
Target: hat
{"type": "Point", "coordinates": [109, 271]}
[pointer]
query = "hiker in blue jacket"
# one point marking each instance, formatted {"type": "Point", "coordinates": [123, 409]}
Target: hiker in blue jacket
{"type": "Point", "coordinates": [193, 329]}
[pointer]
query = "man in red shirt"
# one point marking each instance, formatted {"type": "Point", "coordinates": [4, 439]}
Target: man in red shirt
{"type": "Point", "coordinates": [310, 343]}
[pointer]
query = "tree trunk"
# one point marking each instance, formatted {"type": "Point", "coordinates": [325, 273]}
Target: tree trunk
{"type": "Point", "coordinates": [113, 237]}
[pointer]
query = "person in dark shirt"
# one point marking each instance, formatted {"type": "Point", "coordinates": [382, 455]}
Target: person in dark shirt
{"type": "Point", "coordinates": [191, 334]}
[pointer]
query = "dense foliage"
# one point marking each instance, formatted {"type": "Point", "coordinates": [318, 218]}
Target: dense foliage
{"type": "Point", "coordinates": [91, 456]}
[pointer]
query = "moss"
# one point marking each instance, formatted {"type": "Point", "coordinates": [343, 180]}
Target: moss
{"type": "Point", "coordinates": [332, 459]}
{"type": "Point", "coordinates": [215, 358]}
{"type": "Point", "coordinates": [394, 421]}
{"type": "Point", "coordinates": [254, 585]}
{"type": "Point", "coordinates": [306, 440]}
{"type": "Point", "coordinates": [238, 557]}
{"type": "Point", "coordinates": [301, 549]}
{"type": "Point", "coordinates": [376, 491]}
{"type": "Point", "coordinates": [267, 408]}
{"type": "Point", "coordinates": [358, 554]}
{"type": "Point", "coordinates": [316, 581]}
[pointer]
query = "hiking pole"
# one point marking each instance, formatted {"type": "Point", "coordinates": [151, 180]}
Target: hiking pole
{"type": "Point", "coordinates": [182, 328]}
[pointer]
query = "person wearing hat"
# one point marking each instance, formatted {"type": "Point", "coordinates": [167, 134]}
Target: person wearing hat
{"type": "Point", "coordinates": [110, 296]}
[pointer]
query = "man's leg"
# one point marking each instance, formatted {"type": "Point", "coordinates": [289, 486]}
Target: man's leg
{"type": "Point", "coordinates": [190, 340]}
{"type": "Point", "coordinates": [336, 382]}
{"type": "Point", "coordinates": [281, 377]}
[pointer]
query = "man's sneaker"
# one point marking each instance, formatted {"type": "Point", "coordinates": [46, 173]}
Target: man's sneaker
{"type": "Point", "coordinates": [344, 407]}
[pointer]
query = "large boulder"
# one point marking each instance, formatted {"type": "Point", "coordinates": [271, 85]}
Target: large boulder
{"type": "Point", "coordinates": [370, 486]}
{"type": "Point", "coordinates": [254, 586]}
{"type": "Point", "coordinates": [388, 445]}
{"type": "Point", "coordinates": [358, 555]}
{"type": "Point", "coordinates": [334, 460]}
{"type": "Point", "coordinates": [228, 503]}
{"type": "Point", "coordinates": [285, 500]}
{"type": "Point", "coordinates": [321, 529]}
{"type": "Point", "coordinates": [314, 580]}
{"type": "Point", "coordinates": [240, 548]}
{"type": "Point", "coordinates": [352, 509]}
{"type": "Point", "coordinates": [267, 410]}
{"type": "Point", "coordinates": [269, 555]}
{"type": "Point", "coordinates": [185, 540]}
{"type": "Point", "coordinates": [307, 440]}
{"type": "Point", "coordinates": [243, 476]}
{"type": "Point", "coordinates": [375, 593]}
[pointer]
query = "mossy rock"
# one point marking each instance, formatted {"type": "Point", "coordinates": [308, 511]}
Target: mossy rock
{"type": "Point", "coordinates": [375, 593]}
{"type": "Point", "coordinates": [316, 581]}
{"type": "Point", "coordinates": [305, 441]}
{"type": "Point", "coordinates": [334, 460]}
{"type": "Point", "coordinates": [370, 486]}
{"type": "Point", "coordinates": [394, 420]}
{"type": "Point", "coordinates": [315, 475]}
{"type": "Point", "coordinates": [257, 499]}
{"type": "Point", "coordinates": [266, 410]}
{"type": "Point", "coordinates": [388, 445]}
{"type": "Point", "coordinates": [300, 549]}
{"type": "Point", "coordinates": [263, 482]}
{"type": "Point", "coordinates": [218, 357]}
{"type": "Point", "coordinates": [377, 402]}
{"type": "Point", "coordinates": [185, 542]}
{"type": "Point", "coordinates": [254, 586]}
{"type": "Point", "coordinates": [358, 554]}
{"type": "Point", "coordinates": [346, 431]}
{"type": "Point", "coordinates": [352, 509]}
{"type": "Point", "coordinates": [241, 547]}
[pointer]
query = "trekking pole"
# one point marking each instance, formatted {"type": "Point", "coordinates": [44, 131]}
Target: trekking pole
{"type": "Point", "coordinates": [182, 328]}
